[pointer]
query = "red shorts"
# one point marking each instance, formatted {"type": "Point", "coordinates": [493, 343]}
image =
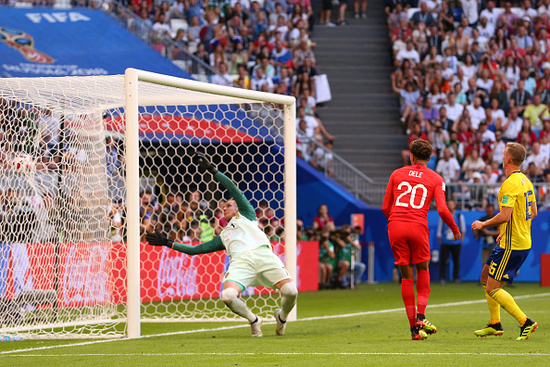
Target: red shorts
{"type": "Point", "coordinates": [410, 242]}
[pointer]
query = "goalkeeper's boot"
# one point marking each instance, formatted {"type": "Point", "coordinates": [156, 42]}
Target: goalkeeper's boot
{"type": "Point", "coordinates": [256, 328]}
{"type": "Point", "coordinates": [281, 325]}
{"type": "Point", "coordinates": [418, 334]}
{"type": "Point", "coordinates": [529, 327]}
{"type": "Point", "coordinates": [490, 329]}
{"type": "Point", "coordinates": [425, 325]}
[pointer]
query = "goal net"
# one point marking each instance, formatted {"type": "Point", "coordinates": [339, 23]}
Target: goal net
{"type": "Point", "coordinates": [89, 164]}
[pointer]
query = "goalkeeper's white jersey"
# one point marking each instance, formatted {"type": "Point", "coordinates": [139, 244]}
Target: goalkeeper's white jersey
{"type": "Point", "coordinates": [242, 234]}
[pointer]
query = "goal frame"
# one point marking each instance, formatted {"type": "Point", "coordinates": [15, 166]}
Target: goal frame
{"type": "Point", "coordinates": [131, 79]}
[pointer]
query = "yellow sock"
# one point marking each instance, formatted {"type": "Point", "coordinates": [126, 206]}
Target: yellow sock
{"type": "Point", "coordinates": [494, 307]}
{"type": "Point", "coordinates": [507, 302]}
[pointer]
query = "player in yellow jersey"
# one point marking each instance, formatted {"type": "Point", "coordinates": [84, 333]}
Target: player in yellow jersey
{"type": "Point", "coordinates": [518, 207]}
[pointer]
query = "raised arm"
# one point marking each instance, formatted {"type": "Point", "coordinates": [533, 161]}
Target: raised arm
{"type": "Point", "coordinates": [245, 208]}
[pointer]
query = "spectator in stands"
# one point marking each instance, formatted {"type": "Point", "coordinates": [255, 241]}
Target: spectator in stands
{"type": "Point", "coordinates": [243, 80]}
{"type": "Point", "coordinates": [409, 53]}
{"type": "Point", "coordinates": [322, 157]}
{"type": "Point", "coordinates": [280, 55]}
{"type": "Point", "coordinates": [484, 82]}
{"type": "Point", "coordinates": [468, 67]}
{"type": "Point", "coordinates": [218, 54]}
{"type": "Point", "coordinates": [147, 212]}
{"type": "Point", "coordinates": [454, 110]}
{"type": "Point", "coordinates": [423, 15]}
{"type": "Point", "coordinates": [477, 113]}
{"type": "Point", "coordinates": [449, 246]}
{"type": "Point", "coordinates": [429, 112]}
{"type": "Point", "coordinates": [432, 60]}
{"type": "Point", "coordinates": [533, 173]}
{"type": "Point", "coordinates": [526, 135]}
{"type": "Point", "coordinates": [538, 159]}
{"type": "Point", "coordinates": [161, 25]}
{"type": "Point", "coordinates": [327, 260]}
{"type": "Point", "coordinates": [203, 56]}
{"type": "Point", "coordinates": [535, 113]}
{"type": "Point", "coordinates": [301, 53]}
{"type": "Point", "coordinates": [438, 137]}
{"type": "Point", "coordinates": [276, 12]}
{"type": "Point", "coordinates": [409, 98]}
{"type": "Point", "coordinates": [306, 11]}
{"type": "Point", "coordinates": [446, 123]}
{"type": "Point", "coordinates": [508, 18]}
{"type": "Point", "coordinates": [360, 9]}
{"type": "Point", "coordinates": [473, 162]}
{"type": "Point", "coordinates": [470, 11]}
{"type": "Point", "coordinates": [323, 219]}
{"type": "Point", "coordinates": [487, 136]}
{"type": "Point", "coordinates": [456, 146]}
{"type": "Point", "coordinates": [511, 70]}
{"type": "Point", "coordinates": [511, 126]}
{"type": "Point", "coordinates": [180, 47]}
{"type": "Point", "coordinates": [530, 84]}
{"type": "Point", "coordinates": [437, 96]}
{"type": "Point", "coordinates": [114, 160]}
{"type": "Point", "coordinates": [142, 26]}
{"type": "Point", "coordinates": [260, 79]}
{"type": "Point", "coordinates": [314, 124]}
{"type": "Point", "coordinates": [307, 67]}
{"type": "Point", "coordinates": [498, 147]}
{"type": "Point", "coordinates": [486, 30]}
{"type": "Point", "coordinates": [48, 126]}
{"type": "Point", "coordinates": [502, 106]}
{"type": "Point", "coordinates": [448, 167]}
{"type": "Point", "coordinates": [342, 13]}
{"type": "Point", "coordinates": [326, 13]}
{"type": "Point", "coordinates": [545, 130]}
{"type": "Point", "coordinates": [223, 78]}
{"type": "Point", "coordinates": [178, 10]}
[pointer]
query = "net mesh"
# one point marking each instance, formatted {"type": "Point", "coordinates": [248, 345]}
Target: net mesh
{"type": "Point", "coordinates": [63, 194]}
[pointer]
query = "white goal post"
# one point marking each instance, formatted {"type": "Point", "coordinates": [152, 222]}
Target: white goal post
{"type": "Point", "coordinates": [94, 162]}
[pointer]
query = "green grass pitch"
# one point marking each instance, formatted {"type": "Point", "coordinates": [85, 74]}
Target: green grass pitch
{"type": "Point", "coordinates": [362, 327]}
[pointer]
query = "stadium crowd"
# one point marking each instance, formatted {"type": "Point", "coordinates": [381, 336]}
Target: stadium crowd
{"type": "Point", "coordinates": [259, 45]}
{"type": "Point", "coordinates": [473, 75]}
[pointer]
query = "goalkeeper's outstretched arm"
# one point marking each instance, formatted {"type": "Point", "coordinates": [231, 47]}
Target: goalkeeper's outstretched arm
{"type": "Point", "coordinates": [157, 238]}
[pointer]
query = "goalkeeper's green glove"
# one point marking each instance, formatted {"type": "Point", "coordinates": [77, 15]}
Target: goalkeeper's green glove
{"type": "Point", "coordinates": [204, 163]}
{"type": "Point", "coordinates": [157, 238]}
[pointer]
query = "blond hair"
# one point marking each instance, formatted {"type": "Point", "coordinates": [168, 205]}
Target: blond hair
{"type": "Point", "coordinates": [516, 152]}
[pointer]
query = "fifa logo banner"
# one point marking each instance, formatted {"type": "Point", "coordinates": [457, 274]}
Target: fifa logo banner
{"type": "Point", "coordinates": [24, 43]}
{"type": "Point", "coordinates": [51, 42]}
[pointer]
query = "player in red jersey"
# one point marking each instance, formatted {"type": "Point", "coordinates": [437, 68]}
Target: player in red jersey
{"type": "Point", "coordinates": [406, 204]}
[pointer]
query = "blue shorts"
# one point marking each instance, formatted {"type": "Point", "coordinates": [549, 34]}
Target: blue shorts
{"type": "Point", "coordinates": [504, 264]}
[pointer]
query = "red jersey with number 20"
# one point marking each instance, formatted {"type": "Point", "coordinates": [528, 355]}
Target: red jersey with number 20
{"type": "Point", "coordinates": [410, 193]}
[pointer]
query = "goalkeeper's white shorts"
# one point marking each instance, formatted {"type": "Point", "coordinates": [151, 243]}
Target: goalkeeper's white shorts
{"type": "Point", "coordinates": [256, 267]}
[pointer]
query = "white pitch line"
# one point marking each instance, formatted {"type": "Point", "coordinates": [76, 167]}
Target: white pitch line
{"type": "Point", "coordinates": [286, 354]}
{"type": "Point", "coordinates": [451, 304]}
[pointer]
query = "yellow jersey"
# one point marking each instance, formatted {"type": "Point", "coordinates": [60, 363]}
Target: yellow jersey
{"type": "Point", "coordinates": [517, 193]}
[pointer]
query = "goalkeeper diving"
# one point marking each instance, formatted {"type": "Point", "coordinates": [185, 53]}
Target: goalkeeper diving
{"type": "Point", "coordinates": [253, 262]}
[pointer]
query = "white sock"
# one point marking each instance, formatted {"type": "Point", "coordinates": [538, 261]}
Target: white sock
{"type": "Point", "coordinates": [290, 294]}
{"type": "Point", "coordinates": [231, 299]}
